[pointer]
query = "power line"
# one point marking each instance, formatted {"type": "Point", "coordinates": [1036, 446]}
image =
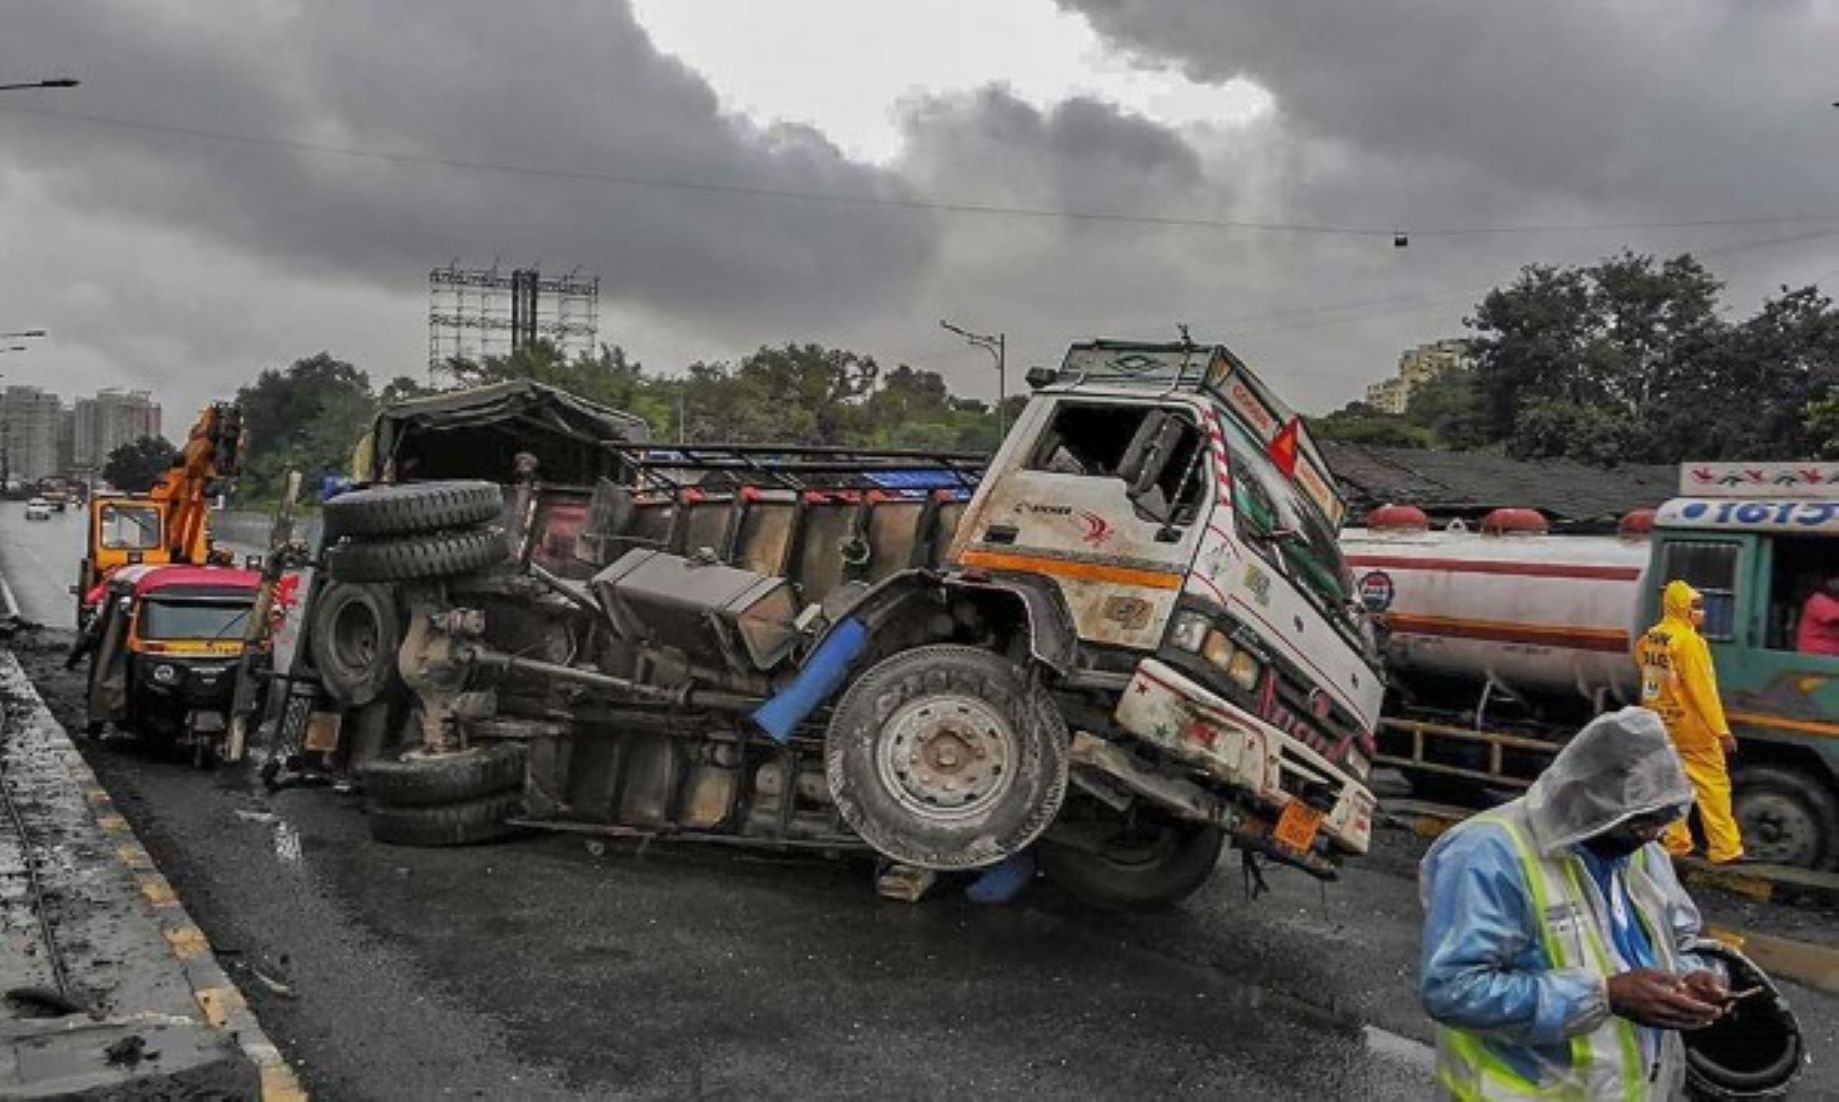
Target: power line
{"type": "Point", "coordinates": [943, 206]}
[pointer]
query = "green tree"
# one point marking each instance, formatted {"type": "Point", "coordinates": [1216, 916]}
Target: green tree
{"type": "Point", "coordinates": [1773, 366]}
{"type": "Point", "coordinates": [609, 378]}
{"type": "Point", "coordinates": [1603, 363]}
{"type": "Point", "coordinates": [307, 417]}
{"type": "Point", "coordinates": [135, 467]}
{"type": "Point", "coordinates": [1360, 423]}
{"type": "Point", "coordinates": [1822, 425]}
{"type": "Point", "coordinates": [1449, 407]}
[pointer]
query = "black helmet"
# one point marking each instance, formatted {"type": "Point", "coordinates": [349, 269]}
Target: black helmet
{"type": "Point", "coordinates": [1753, 1052]}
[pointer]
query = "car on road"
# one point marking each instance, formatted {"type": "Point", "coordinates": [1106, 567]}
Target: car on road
{"type": "Point", "coordinates": [38, 509]}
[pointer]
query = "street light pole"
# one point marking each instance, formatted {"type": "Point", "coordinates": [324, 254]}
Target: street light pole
{"type": "Point", "coordinates": [55, 82]}
{"type": "Point", "coordinates": [998, 348]}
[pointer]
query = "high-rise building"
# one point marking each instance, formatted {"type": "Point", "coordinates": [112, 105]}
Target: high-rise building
{"type": "Point", "coordinates": [1416, 367]}
{"type": "Point", "coordinates": [109, 420]}
{"type": "Point", "coordinates": [31, 422]}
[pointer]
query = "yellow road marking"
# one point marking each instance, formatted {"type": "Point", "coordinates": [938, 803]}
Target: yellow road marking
{"type": "Point", "coordinates": [188, 942]}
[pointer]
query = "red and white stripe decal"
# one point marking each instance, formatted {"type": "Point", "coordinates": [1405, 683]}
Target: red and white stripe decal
{"type": "Point", "coordinates": [1577, 571]}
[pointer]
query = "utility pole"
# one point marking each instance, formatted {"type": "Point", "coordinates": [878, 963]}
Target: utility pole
{"type": "Point", "coordinates": [998, 348]}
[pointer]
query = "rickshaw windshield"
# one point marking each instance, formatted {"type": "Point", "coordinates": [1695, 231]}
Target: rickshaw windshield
{"type": "Point", "coordinates": [177, 618]}
{"type": "Point", "coordinates": [130, 527]}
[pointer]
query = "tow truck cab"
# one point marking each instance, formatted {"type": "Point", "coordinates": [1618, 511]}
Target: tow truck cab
{"type": "Point", "coordinates": [1187, 524]}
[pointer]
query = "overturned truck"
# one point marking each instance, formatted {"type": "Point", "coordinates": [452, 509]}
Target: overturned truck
{"type": "Point", "coordinates": [1127, 639]}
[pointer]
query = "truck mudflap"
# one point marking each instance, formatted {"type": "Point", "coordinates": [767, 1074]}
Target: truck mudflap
{"type": "Point", "coordinates": [1272, 769]}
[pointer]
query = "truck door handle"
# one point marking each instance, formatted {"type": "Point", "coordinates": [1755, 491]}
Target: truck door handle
{"type": "Point", "coordinates": [1000, 533]}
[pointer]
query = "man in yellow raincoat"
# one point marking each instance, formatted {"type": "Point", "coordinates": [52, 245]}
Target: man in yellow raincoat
{"type": "Point", "coordinates": [1678, 681]}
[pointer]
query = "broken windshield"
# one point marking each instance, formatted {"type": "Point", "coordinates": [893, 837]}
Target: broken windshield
{"type": "Point", "coordinates": [1287, 527]}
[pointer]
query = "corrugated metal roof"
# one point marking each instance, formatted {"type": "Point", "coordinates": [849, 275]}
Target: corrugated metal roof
{"type": "Point", "coordinates": [1471, 482]}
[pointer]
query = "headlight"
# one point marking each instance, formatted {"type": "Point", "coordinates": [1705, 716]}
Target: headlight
{"type": "Point", "coordinates": [166, 675]}
{"type": "Point", "coordinates": [1358, 764]}
{"type": "Point", "coordinates": [1244, 671]}
{"type": "Point", "coordinates": [1218, 649]}
{"type": "Point", "coordinates": [1189, 631]}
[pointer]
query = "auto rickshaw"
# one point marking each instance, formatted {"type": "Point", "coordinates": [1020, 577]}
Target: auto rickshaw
{"type": "Point", "coordinates": [164, 648]}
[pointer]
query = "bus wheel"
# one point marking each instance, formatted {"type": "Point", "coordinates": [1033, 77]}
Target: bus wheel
{"type": "Point", "coordinates": [1787, 817]}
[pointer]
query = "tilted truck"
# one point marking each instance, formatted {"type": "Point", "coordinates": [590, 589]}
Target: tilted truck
{"type": "Point", "coordinates": [1501, 642]}
{"type": "Point", "coordinates": [1130, 638]}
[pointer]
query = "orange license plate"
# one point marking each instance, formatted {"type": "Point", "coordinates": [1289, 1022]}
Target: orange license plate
{"type": "Point", "coordinates": [1298, 826]}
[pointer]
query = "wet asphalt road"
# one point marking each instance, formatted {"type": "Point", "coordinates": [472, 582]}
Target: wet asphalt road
{"type": "Point", "coordinates": [536, 968]}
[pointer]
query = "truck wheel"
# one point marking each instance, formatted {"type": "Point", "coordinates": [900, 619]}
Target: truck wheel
{"type": "Point", "coordinates": [461, 824]}
{"type": "Point", "coordinates": [436, 555]}
{"type": "Point", "coordinates": [416, 507]}
{"type": "Point", "coordinates": [1140, 867]}
{"type": "Point", "coordinates": [1786, 817]}
{"type": "Point", "coordinates": [416, 780]}
{"type": "Point", "coordinates": [946, 757]}
{"type": "Point", "coordinates": [353, 639]}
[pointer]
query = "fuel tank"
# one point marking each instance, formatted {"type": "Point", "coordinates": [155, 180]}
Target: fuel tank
{"type": "Point", "coordinates": [1539, 615]}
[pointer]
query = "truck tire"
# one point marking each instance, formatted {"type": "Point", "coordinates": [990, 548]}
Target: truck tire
{"type": "Point", "coordinates": [417, 781]}
{"type": "Point", "coordinates": [1142, 870]}
{"type": "Point", "coordinates": [353, 638]}
{"type": "Point", "coordinates": [409, 558]}
{"type": "Point", "coordinates": [947, 757]}
{"type": "Point", "coordinates": [408, 509]}
{"type": "Point", "coordinates": [1786, 816]}
{"type": "Point", "coordinates": [461, 824]}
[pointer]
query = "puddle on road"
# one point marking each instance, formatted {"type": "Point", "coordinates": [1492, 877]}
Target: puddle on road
{"type": "Point", "coordinates": [287, 843]}
{"type": "Point", "coordinates": [285, 838]}
{"type": "Point", "coordinates": [1400, 1048]}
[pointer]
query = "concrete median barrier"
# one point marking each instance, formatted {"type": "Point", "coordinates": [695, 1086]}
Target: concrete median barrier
{"type": "Point", "coordinates": [109, 988]}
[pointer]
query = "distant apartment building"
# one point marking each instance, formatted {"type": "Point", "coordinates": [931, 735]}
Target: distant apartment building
{"type": "Point", "coordinates": [31, 424]}
{"type": "Point", "coordinates": [105, 422]}
{"type": "Point", "coordinates": [1416, 367]}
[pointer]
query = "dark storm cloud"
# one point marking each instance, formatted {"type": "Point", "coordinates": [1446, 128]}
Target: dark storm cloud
{"type": "Point", "coordinates": [1647, 105]}
{"type": "Point", "coordinates": [188, 263]}
{"type": "Point", "coordinates": [570, 84]}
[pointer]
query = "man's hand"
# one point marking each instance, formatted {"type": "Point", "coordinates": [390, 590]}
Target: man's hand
{"type": "Point", "coordinates": [1707, 986]}
{"type": "Point", "coordinates": [1729, 742]}
{"type": "Point", "coordinates": [1651, 997]}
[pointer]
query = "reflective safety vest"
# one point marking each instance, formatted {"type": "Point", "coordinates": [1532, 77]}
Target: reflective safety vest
{"type": "Point", "coordinates": [1605, 1063]}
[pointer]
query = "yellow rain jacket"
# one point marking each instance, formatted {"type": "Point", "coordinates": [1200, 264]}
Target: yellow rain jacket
{"type": "Point", "coordinates": [1679, 682]}
{"type": "Point", "coordinates": [1677, 679]}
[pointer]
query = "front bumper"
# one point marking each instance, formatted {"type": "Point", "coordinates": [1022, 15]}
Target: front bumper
{"type": "Point", "coordinates": [1178, 716]}
{"type": "Point", "coordinates": [187, 682]}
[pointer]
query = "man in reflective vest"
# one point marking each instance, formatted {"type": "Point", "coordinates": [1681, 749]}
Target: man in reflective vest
{"type": "Point", "coordinates": [1556, 957]}
{"type": "Point", "coordinates": [1679, 683]}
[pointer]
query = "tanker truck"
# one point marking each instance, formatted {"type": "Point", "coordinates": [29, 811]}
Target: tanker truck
{"type": "Point", "coordinates": [1501, 640]}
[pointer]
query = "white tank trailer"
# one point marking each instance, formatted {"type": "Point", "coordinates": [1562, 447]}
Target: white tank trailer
{"type": "Point", "coordinates": [1506, 611]}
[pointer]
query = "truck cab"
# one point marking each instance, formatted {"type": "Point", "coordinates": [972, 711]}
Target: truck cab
{"type": "Point", "coordinates": [1758, 540]}
{"type": "Point", "coordinates": [1187, 524]}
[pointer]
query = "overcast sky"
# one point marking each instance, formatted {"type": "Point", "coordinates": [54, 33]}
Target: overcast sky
{"type": "Point", "coordinates": [239, 183]}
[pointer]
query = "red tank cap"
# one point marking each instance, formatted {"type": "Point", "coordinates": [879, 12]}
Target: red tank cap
{"type": "Point", "coordinates": [1514, 522]}
{"type": "Point", "coordinates": [1399, 517]}
{"type": "Point", "coordinates": [1636, 524]}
